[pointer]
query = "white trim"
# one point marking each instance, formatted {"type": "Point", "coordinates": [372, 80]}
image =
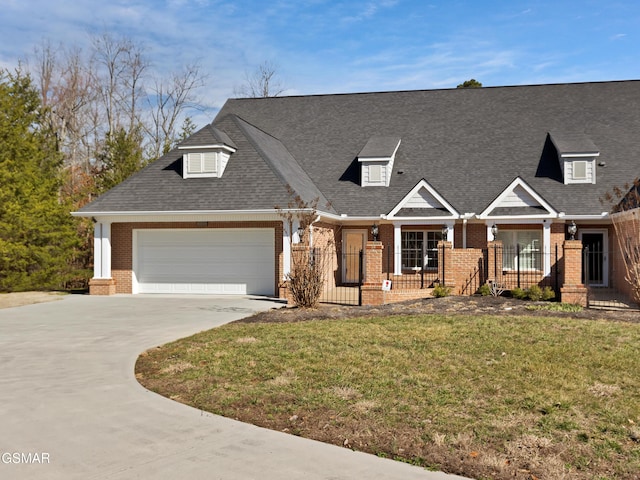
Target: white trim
{"type": "Point", "coordinates": [432, 191]}
{"type": "Point", "coordinates": [397, 254]}
{"type": "Point", "coordinates": [580, 155]}
{"type": "Point", "coordinates": [102, 250]}
{"type": "Point", "coordinates": [518, 182]}
{"type": "Point", "coordinates": [546, 248]}
{"type": "Point", "coordinates": [215, 146]}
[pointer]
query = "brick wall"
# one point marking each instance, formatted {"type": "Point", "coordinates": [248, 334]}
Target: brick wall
{"type": "Point", "coordinates": [122, 246]}
{"type": "Point", "coordinates": [476, 235]}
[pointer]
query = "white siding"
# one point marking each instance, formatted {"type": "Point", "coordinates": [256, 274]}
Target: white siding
{"type": "Point", "coordinates": [569, 170]}
{"type": "Point", "coordinates": [519, 197]}
{"type": "Point", "coordinates": [422, 199]}
{"type": "Point", "coordinates": [369, 174]}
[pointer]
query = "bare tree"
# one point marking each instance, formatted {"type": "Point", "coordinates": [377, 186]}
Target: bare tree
{"type": "Point", "coordinates": [626, 222]}
{"type": "Point", "coordinates": [263, 82]}
{"type": "Point", "coordinates": [168, 103]}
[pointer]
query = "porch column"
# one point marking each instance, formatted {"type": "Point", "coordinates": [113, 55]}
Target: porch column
{"type": "Point", "coordinates": [494, 261]}
{"type": "Point", "coordinates": [450, 235]}
{"type": "Point", "coordinates": [102, 283]}
{"type": "Point", "coordinates": [573, 290]}
{"type": "Point", "coordinates": [397, 253]}
{"type": "Point", "coordinates": [546, 248]}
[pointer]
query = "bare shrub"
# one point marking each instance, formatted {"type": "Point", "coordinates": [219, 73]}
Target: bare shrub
{"type": "Point", "coordinates": [626, 222]}
{"type": "Point", "coordinates": [306, 277]}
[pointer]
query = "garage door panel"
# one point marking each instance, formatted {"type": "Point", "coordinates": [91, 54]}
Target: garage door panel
{"type": "Point", "coordinates": [206, 261]}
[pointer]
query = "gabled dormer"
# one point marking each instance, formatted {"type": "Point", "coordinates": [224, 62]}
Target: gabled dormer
{"type": "Point", "coordinates": [206, 153]}
{"type": "Point", "coordinates": [376, 161]}
{"type": "Point", "coordinates": [577, 156]}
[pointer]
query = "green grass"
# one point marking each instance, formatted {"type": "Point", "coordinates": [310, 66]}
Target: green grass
{"type": "Point", "coordinates": [554, 397]}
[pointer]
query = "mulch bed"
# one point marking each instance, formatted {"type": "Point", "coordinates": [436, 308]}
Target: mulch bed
{"type": "Point", "coordinates": [475, 305]}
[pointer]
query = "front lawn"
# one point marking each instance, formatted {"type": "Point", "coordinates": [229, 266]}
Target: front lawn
{"type": "Point", "coordinates": [481, 396]}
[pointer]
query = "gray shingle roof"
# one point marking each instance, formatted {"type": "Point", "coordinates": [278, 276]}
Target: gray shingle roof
{"type": "Point", "coordinates": [573, 143]}
{"type": "Point", "coordinates": [468, 144]}
{"type": "Point", "coordinates": [379, 147]}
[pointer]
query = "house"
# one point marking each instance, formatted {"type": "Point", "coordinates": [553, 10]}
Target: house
{"type": "Point", "coordinates": [466, 168]}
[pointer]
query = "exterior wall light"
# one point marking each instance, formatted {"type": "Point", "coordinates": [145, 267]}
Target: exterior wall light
{"type": "Point", "coordinates": [300, 233]}
{"type": "Point", "coordinates": [445, 232]}
{"type": "Point", "coordinates": [572, 230]}
{"type": "Point", "coordinates": [374, 232]}
{"type": "Point", "coordinates": [494, 231]}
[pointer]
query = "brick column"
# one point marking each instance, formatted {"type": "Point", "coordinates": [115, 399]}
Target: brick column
{"type": "Point", "coordinates": [102, 286]}
{"type": "Point", "coordinates": [573, 290]}
{"type": "Point", "coordinates": [494, 261]}
{"type": "Point", "coordinates": [446, 273]}
{"type": "Point", "coordinates": [372, 293]}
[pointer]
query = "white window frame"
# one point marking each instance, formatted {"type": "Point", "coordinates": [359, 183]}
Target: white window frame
{"type": "Point", "coordinates": [429, 256]}
{"type": "Point", "coordinates": [510, 241]}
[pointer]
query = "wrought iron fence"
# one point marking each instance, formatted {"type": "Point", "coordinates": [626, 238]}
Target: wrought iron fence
{"type": "Point", "coordinates": [521, 267]}
{"type": "Point", "coordinates": [429, 272]}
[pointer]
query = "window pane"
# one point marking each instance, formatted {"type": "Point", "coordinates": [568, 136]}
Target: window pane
{"type": "Point", "coordinates": [412, 244]}
{"type": "Point", "coordinates": [521, 248]}
{"type": "Point", "coordinates": [580, 170]}
{"type": "Point", "coordinates": [375, 173]}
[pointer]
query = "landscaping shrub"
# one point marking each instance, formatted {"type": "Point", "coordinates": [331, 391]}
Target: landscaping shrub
{"type": "Point", "coordinates": [534, 292]}
{"type": "Point", "coordinates": [484, 290]}
{"type": "Point", "coordinates": [518, 293]}
{"type": "Point", "coordinates": [440, 291]}
{"type": "Point", "coordinates": [548, 293]}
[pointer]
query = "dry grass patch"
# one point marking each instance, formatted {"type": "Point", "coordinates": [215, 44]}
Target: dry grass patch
{"type": "Point", "coordinates": [481, 396]}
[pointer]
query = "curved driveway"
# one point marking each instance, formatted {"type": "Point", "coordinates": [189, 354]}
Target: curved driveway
{"type": "Point", "coordinates": [68, 394]}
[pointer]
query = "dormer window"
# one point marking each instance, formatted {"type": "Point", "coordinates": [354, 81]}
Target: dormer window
{"type": "Point", "coordinates": [577, 155]}
{"type": "Point", "coordinates": [376, 161]}
{"type": "Point", "coordinates": [206, 153]}
{"type": "Point", "coordinates": [205, 161]}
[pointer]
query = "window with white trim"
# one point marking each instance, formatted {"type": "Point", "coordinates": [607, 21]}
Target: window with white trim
{"type": "Point", "coordinates": [521, 249]}
{"type": "Point", "coordinates": [420, 249]}
{"type": "Point", "coordinates": [204, 163]}
{"type": "Point", "coordinates": [211, 163]}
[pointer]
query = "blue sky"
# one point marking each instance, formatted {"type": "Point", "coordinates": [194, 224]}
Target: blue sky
{"type": "Point", "coordinates": [323, 46]}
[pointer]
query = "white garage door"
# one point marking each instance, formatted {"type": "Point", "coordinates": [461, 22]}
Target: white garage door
{"type": "Point", "coordinates": [217, 261]}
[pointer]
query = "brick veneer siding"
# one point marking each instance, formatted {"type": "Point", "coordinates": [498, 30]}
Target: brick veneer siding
{"type": "Point", "coordinates": [102, 286]}
{"type": "Point", "coordinates": [122, 247]}
{"type": "Point", "coordinates": [372, 293]}
{"type": "Point", "coordinates": [573, 291]}
{"type": "Point", "coordinates": [476, 235]}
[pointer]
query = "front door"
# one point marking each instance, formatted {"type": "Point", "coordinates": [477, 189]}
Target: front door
{"type": "Point", "coordinates": [595, 264]}
{"type": "Point", "coordinates": [353, 241]}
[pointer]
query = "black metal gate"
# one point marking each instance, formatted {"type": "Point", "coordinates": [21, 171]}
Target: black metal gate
{"type": "Point", "coordinates": [343, 277]}
{"type": "Point", "coordinates": [520, 267]}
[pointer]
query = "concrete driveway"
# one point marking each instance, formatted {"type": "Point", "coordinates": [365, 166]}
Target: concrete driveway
{"type": "Point", "coordinates": [70, 406]}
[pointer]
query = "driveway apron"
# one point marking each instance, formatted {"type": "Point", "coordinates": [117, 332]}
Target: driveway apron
{"type": "Point", "coordinates": [71, 408]}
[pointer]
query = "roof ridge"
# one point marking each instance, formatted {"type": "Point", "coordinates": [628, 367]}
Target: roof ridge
{"type": "Point", "coordinates": [382, 92]}
{"type": "Point", "coordinates": [300, 182]}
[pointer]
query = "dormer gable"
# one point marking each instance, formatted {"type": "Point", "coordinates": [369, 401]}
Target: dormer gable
{"type": "Point", "coordinates": [518, 200]}
{"type": "Point", "coordinates": [376, 161]}
{"type": "Point", "coordinates": [423, 202]}
{"type": "Point", "coordinates": [577, 156]}
{"type": "Point", "coordinates": [206, 153]}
